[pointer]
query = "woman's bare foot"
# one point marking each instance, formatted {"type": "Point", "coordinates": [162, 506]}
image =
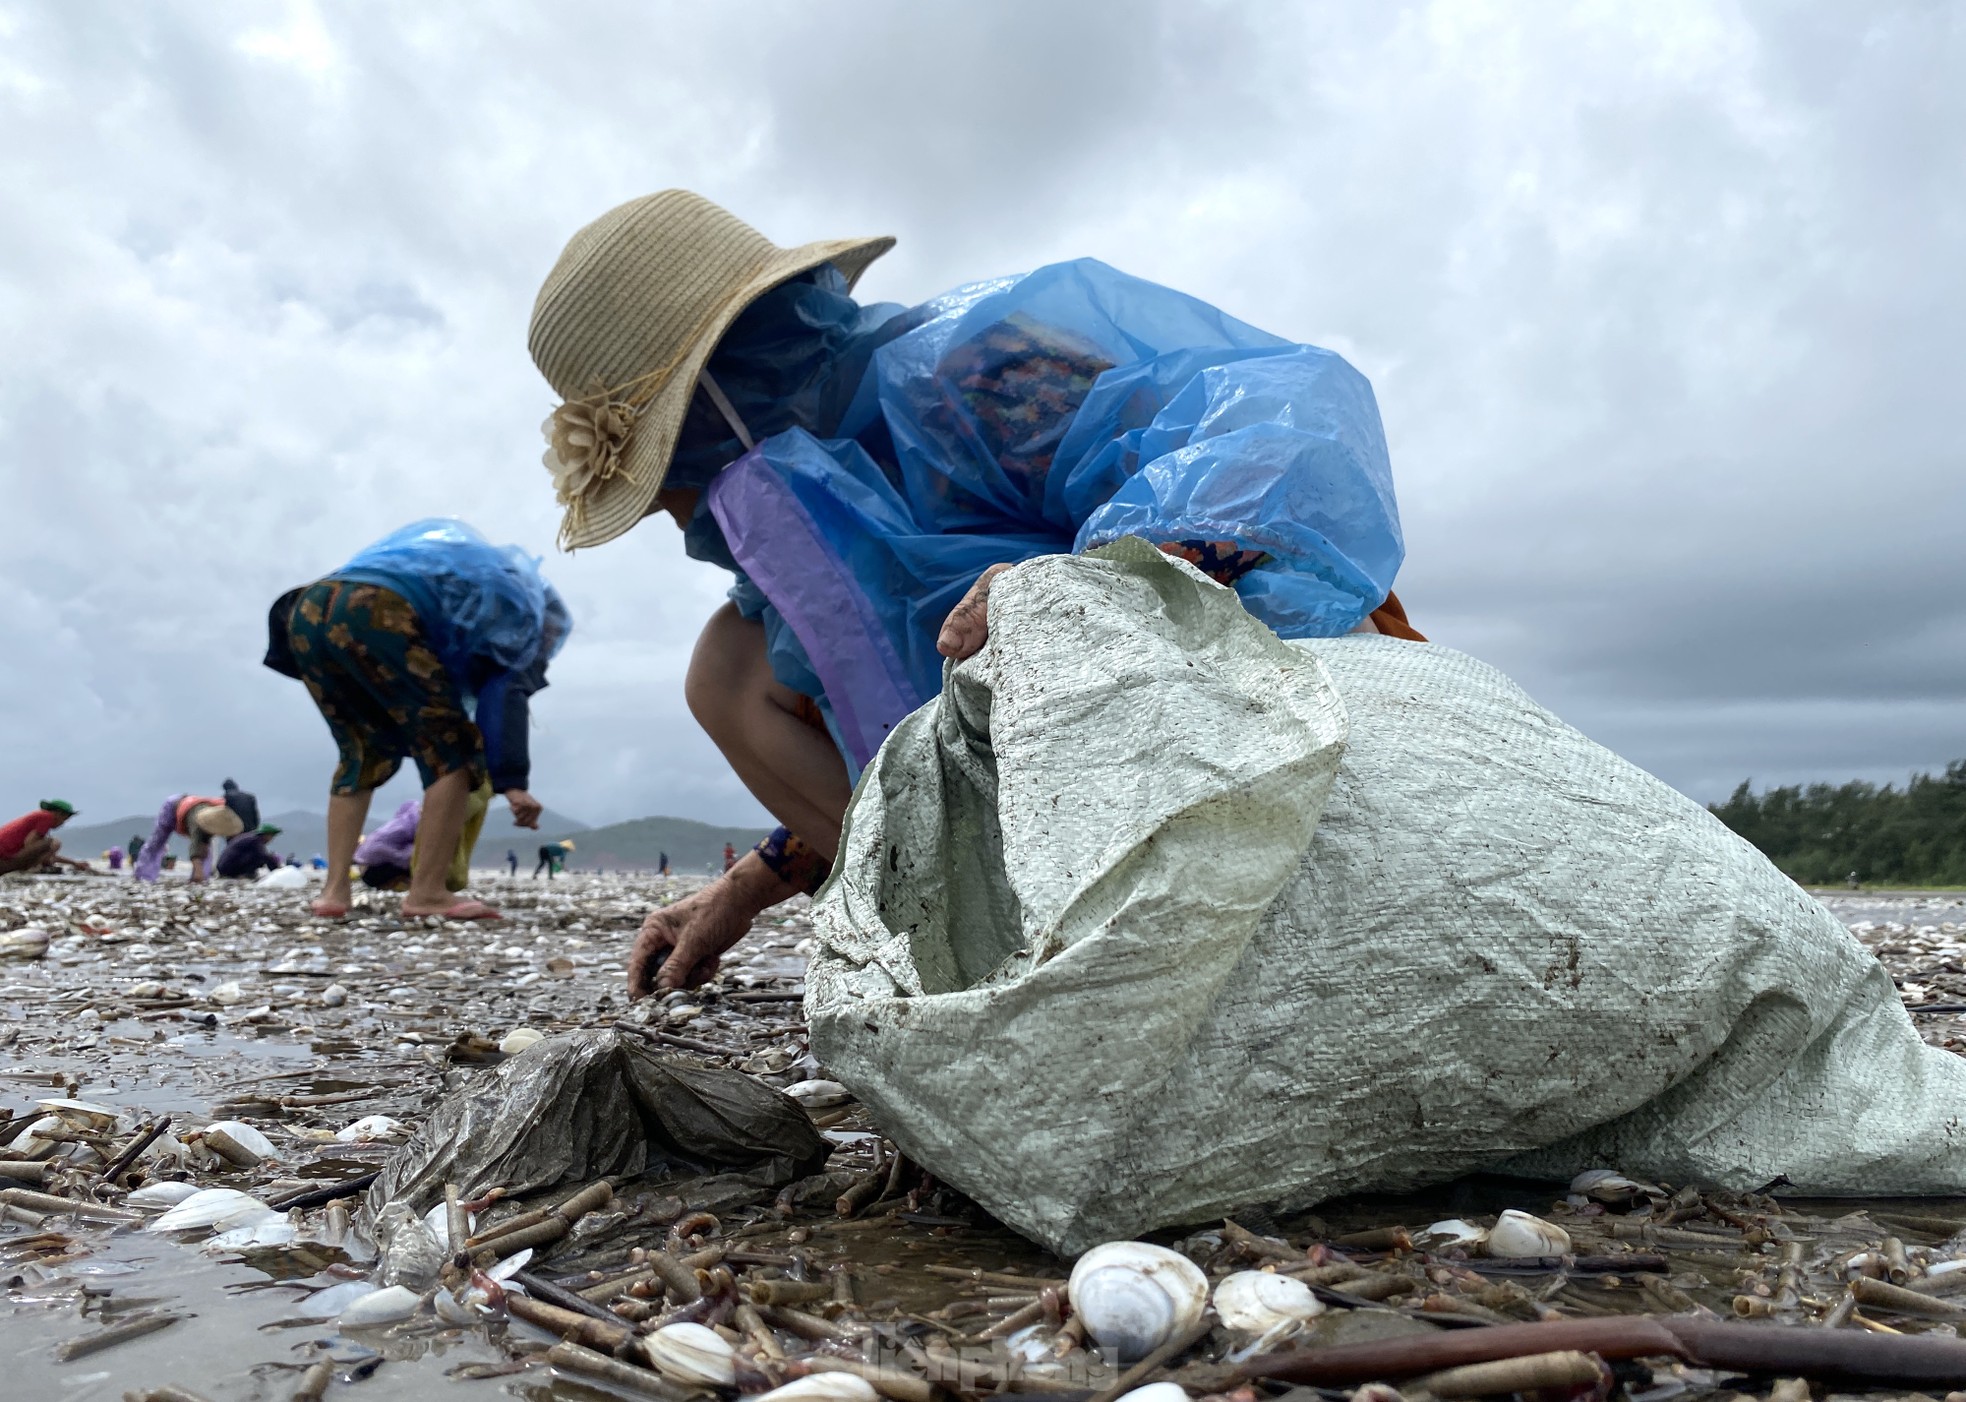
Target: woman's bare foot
{"type": "Point", "coordinates": [681, 944]}
{"type": "Point", "coordinates": [328, 909]}
{"type": "Point", "coordinates": [460, 908]}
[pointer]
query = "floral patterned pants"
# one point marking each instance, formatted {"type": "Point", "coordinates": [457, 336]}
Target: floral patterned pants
{"type": "Point", "coordinates": [379, 686]}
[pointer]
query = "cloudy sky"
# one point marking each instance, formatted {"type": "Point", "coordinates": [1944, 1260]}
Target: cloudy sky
{"type": "Point", "coordinates": [1662, 302]}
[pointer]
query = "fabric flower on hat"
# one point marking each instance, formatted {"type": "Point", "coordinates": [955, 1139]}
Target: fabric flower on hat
{"type": "Point", "coordinates": [584, 443]}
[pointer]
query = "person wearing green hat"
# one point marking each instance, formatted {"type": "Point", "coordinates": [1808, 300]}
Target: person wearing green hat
{"type": "Point", "coordinates": [27, 844]}
{"type": "Point", "coordinates": [247, 855]}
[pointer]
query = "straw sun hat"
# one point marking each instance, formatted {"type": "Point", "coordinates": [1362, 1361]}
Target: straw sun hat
{"type": "Point", "coordinates": [624, 325]}
{"type": "Point", "coordinates": [216, 820]}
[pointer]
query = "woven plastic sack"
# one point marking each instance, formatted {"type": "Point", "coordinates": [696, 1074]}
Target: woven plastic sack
{"type": "Point", "coordinates": [1152, 915]}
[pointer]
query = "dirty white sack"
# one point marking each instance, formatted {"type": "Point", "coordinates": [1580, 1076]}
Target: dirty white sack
{"type": "Point", "coordinates": [1152, 915]}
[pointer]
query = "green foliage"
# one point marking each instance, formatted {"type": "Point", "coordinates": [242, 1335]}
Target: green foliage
{"type": "Point", "coordinates": [1914, 836]}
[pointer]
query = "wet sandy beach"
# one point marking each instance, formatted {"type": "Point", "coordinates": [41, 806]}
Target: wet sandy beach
{"type": "Point", "coordinates": [227, 1003]}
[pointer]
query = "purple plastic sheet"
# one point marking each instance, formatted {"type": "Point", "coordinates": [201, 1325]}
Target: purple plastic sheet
{"type": "Point", "coordinates": [779, 546]}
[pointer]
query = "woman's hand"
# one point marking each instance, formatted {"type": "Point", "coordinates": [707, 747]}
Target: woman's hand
{"type": "Point", "coordinates": [525, 808]}
{"type": "Point", "coordinates": [968, 626]}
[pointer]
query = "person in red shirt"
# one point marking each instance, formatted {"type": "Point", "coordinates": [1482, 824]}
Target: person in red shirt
{"type": "Point", "coordinates": [25, 843]}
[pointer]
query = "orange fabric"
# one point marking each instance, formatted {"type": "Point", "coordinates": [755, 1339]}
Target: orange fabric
{"type": "Point", "coordinates": [184, 807]}
{"type": "Point", "coordinates": [807, 710]}
{"type": "Point", "coordinates": [1390, 618]}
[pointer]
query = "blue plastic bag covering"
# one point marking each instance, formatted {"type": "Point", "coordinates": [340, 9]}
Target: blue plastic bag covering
{"type": "Point", "coordinates": [1041, 414]}
{"type": "Point", "coordinates": [486, 608]}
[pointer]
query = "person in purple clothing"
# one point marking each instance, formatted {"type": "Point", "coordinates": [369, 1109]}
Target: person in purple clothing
{"type": "Point", "coordinates": [249, 854]}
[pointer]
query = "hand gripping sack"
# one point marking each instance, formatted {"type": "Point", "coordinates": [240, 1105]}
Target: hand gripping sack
{"type": "Point", "coordinates": [1151, 915]}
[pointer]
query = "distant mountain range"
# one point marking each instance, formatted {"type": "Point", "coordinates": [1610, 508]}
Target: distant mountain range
{"type": "Point", "coordinates": [692, 846]}
{"type": "Point", "coordinates": [637, 845]}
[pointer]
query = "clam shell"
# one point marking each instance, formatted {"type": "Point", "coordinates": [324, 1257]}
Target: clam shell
{"type": "Point", "coordinates": [823, 1387]}
{"type": "Point", "coordinates": [79, 1114]}
{"type": "Point", "coordinates": [238, 1143]}
{"type": "Point", "coordinates": [1156, 1392]}
{"type": "Point", "coordinates": [692, 1353]}
{"type": "Point", "coordinates": [155, 1197]}
{"type": "Point", "coordinates": [333, 996]}
{"type": "Point", "coordinates": [519, 1038]}
{"type": "Point", "coordinates": [1611, 1187]}
{"type": "Point", "coordinates": [1255, 1302]}
{"type": "Point", "coordinates": [227, 993]}
{"type": "Point", "coordinates": [371, 1127]}
{"type": "Point", "coordinates": [1519, 1234]}
{"type": "Point", "coordinates": [817, 1095]}
{"type": "Point", "coordinates": [277, 1231]}
{"type": "Point", "coordinates": [212, 1207]}
{"type": "Point", "coordinates": [1134, 1297]}
{"type": "Point", "coordinates": [326, 1304]}
{"type": "Point", "coordinates": [25, 943]}
{"type": "Point", "coordinates": [1454, 1232]}
{"type": "Point", "coordinates": [384, 1306]}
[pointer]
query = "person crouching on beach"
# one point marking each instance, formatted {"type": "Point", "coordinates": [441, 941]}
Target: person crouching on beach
{"type": "Point", "coordinates": [27, 843]}
{"type": "Point", "coordinates": [865, 471]}
{"type": "Point", "coordinates": [199, 819]}
{"type": "Point", "coordinates": [429, 645]}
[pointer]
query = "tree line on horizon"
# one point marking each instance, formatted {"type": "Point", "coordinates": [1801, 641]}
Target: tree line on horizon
{"type": "Point", "coordinates": [1819, 834]}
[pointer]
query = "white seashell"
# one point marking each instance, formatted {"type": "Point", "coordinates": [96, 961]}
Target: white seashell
{"type": "Point", "coordinates": [277, 1231]}
{"type": "Point", "coordinates": [1945, 1267]}
{"type": "Point", "coordinates": [692, 1353]}
{"type": "Point", "coordinates": [1519, 1234]}
{"type": "Point", "coordinates": [1255, 1302]}
{"type": "Point", "coordinates": [153, 1196]}
{"type": "Point", "coordinates": [519, 1038]}
{"type": "Point", "coordinates": [169, 1150]}
{"type": "Point", "coordinates": [1134, 1297]}
{"type": "Point", "coordinates": [823, 1387]}
{"type": "Point", "coordinates": [510, 1266]}
{"type": "Point", "coordinates": [80, 1114]}
{"type": "Point", "coordinates": [1156, 1392]}
{"type": "Point", "coordinates": [30, 1142]}
{"type": "Point", "coordinates": [384, 1306]}
{"type": "Point", "coordinates": [25, 943]}
{"type": "Point", "coordinates": [326, 1304]}
{"type": "Point", "coordinates": [438, 1221]}
{"type": "Point", "coordinates": [372, 1127]}
{"type": "Point", "coordinates": [238, 1143]}
{"type": "Point", "coordinates": [333, 996]}
{"type": "Point", "coordinates": [817, 1095]}
{"type": "Point", "coordinates": [213, 1207]}
{"type": "Point", "coordinates": [228, 993]}
{"type": "Point", "coordinates": [149, 988]}
{"type": "Point", "coordinates": [1454, 1232]}
{"type": "Point", "coordinates": [1610, 1187]}
{"type": "Point", "coordinates": [453, 1310]}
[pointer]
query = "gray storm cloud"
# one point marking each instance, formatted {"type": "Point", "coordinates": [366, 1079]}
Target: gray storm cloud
{"type": "Point", "coordinates": [1661, 304]}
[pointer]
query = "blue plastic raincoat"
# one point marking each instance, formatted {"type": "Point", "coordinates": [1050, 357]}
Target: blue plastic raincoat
{"type": "Point", "coordinates": [491, 617]}
{"type": "Point", "coordinates": [1047, 413]}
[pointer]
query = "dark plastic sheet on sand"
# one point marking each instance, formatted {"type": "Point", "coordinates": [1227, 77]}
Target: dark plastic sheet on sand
{"type": "Point", "coordinates": [586, 1105]}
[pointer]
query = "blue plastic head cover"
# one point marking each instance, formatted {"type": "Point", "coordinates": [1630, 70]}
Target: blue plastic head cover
{"type": "Point", "coordinates": [477, 601]}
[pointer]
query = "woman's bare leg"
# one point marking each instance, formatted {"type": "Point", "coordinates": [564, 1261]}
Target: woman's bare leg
{"type": "Point", "coordinates": [792, 768]}
{"type": "Point", "coordinates": [789, 766]}
{"type": "Point", "coordinates": [346, 814]}
{"type": "Point", "coordinates": [438, 828]}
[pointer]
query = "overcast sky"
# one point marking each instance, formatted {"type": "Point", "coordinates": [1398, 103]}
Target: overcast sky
{"type": "Point", "coordinates": [1663, 303]}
